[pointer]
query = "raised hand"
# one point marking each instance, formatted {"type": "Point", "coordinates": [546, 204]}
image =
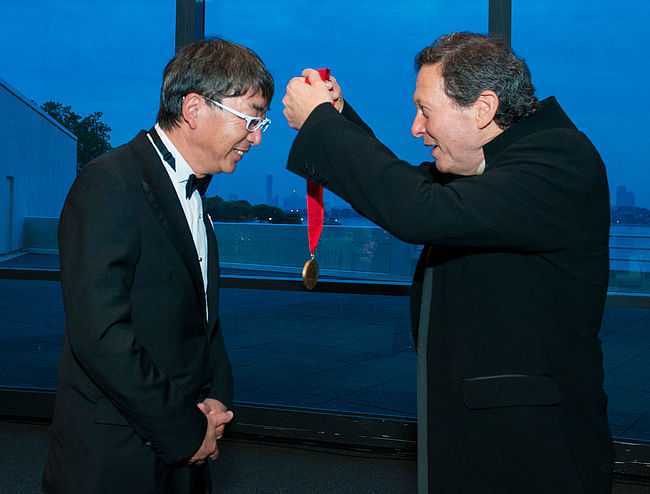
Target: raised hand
{"type": "Point", "coordinates": [301, 98]}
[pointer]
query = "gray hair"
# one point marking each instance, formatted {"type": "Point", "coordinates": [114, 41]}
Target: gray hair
{"type": "Point", "coordinates": [472, 63]}
{"type": "Point", "coordinates": [214, 68]}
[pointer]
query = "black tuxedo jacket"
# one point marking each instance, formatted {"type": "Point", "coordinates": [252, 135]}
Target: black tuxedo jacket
{"type": "Point", "coordinates": [519, 264]}
{"type": "Point", "coordinates": [138, 351]}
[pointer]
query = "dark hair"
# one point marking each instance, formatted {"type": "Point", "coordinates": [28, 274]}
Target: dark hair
{"type": "Point", "coordinates": [214, 68]}
{"type": "Point", "coordinates": [472, 63]}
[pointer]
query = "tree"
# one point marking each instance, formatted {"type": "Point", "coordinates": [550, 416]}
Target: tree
{"type": "Point", "coordinates": [270, 214]}
{"type": "Point", "coordinates": [292, 218]}
{"type": "Point", "coordinates": [92, 134]}
{"type": "Point", "coordinates": [242, 211]}
{"type": "Point", "coordinates": [230, 211]}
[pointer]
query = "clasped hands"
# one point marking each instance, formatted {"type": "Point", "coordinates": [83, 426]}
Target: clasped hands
{"type": "Point", "coordinates": [302, 98]}
{"type": "Point", "coordinates": [218, 416]}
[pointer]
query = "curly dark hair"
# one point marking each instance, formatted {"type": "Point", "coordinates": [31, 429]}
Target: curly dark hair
{"type": "Point", "coordinates": [214, 68]}
{"type": "Point", "coordinates": [472, 63]}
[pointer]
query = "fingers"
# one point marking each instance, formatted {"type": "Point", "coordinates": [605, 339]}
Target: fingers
{"type": "Point", "coordinates": [218, 416]}
{"type": "Point", "coordinates": [335, 88]}
{"type": "Point", "coordinates": [217, 419]}
{"type": "Point", "coordinates": [215, 454]}
{"type": "Point", "coordinates": [208, 448]}
{"type": "Point", "coordinates": [224, 417]}
{"type": "Point", "coordinates": [311, 75]}
{"type": "Point", "coordinates": [301, 99]}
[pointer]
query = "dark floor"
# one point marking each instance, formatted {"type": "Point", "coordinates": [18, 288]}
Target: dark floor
{"type": "Point", "coordinates": [250, 468]}
{"type": "Point", "coordinates": [242, 467]}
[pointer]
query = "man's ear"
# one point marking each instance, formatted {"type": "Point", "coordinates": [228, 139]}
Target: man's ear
{"type": "Point", "coordinates": [486, 107]}
{"type": "Point", "coordinates": [192, 105]}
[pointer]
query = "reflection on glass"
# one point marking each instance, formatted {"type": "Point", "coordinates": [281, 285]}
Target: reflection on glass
{"type": "Point", "coordinates": [587, 54]}
{"type": "Point", "coordinates": [314, 350]}
{"type": "Point", "coordinates": [321, 350]}
{"type": "Point", "coordinates": [31, 333]}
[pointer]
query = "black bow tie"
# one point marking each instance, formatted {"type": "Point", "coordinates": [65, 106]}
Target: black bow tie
{"type": "Point", "coordinates": [194, 183]}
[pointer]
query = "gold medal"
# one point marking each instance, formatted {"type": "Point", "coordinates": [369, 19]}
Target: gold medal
{"type": "Point", "coordinates": [310, 274]}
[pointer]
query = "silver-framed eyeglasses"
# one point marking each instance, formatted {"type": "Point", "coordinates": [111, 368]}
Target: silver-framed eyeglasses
{"type": "Point", "coordinates": [252, 123]}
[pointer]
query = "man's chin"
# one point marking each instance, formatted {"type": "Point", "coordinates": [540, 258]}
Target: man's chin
{"type": "Point", "coordinates": [440, 165]}
{"type": "Point", "coordinates": [229, 167]}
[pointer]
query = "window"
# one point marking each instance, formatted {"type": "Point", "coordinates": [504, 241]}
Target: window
{"type": "Point", "coordinates": [313, 343]}
{"type": "Point", "coordinates": [94, 57]}
{"type": "Point", "coordinates": [588, 54]}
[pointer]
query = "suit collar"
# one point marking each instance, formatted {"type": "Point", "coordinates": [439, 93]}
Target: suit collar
{"type": "Point", "coordinates": [548, 116]}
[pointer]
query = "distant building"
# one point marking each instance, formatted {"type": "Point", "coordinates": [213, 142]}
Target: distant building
{"type": "Point", "coordinates": [38, 166]}
{"type": "Point", "coordinates": [624, 197]}
{"type": "Point", "coordinates": [269, 189]}
{"type": "Point", "coordinates": [271, 200]}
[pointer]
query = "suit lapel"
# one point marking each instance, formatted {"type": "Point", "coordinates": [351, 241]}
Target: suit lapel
{"type": "Point", "coordinates": [213, 272]}
{"type": "Point", "coordinates": [162, 198]}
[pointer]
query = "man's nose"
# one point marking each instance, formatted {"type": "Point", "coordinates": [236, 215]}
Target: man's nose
{"type": "Point", "coordinates": [255, 137]}
{"type": "Point", "coordinates": [417, 129]}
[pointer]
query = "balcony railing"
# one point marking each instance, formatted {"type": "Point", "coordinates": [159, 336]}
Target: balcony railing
{"type": "Point", "coordinates": [360, 253]}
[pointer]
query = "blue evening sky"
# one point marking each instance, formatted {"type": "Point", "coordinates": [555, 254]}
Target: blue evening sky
{"type": "Point", "coordinates": [109, 56]}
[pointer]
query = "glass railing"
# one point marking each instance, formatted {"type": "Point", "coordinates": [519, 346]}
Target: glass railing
{"type": "Point", "coordinates": [344, 252]}
{"type": "Point", "coordinates": [370, 253]}
{"type": "Point", "coordinates": [629, 259]}
{"type": "Point", "coordinates": [363, 253]}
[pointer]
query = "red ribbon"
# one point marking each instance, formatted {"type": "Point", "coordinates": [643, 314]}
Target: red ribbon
{"type": "Point", "coordinates": [315, 206]}
{"type": "Point", "coordinates": [315, 214]}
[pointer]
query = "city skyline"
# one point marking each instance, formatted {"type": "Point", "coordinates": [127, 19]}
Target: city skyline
{"type": "Point", "coordinates": [103, 66]}
{"type": "Point", "coordinates": [620, 196]}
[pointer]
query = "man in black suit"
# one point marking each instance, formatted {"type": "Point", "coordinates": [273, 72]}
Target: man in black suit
{"type": "Point", "coordinates": [144, 382]}
{"type": "Point", "coordinates": [508, 294]}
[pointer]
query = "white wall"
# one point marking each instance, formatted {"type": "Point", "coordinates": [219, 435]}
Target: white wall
{"type": "Point", "coordinates": [40, 155]}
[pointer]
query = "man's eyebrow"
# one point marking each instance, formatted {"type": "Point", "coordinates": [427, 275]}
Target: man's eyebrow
{"type": "Point", "coordinates": [261, 109]}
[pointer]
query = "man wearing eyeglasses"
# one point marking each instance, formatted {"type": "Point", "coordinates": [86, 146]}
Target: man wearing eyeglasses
{"type": "Point", "coordinates": [144, 382]}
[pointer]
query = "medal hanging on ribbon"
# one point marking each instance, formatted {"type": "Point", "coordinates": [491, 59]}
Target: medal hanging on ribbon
{"type": "Point", "coordinates": [315, 215]}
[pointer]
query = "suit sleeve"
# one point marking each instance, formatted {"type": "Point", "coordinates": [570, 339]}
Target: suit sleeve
{"type": "Point", "coordinates": [529, 202]}
{"type": "Point", "coordinates": [99, 249]}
